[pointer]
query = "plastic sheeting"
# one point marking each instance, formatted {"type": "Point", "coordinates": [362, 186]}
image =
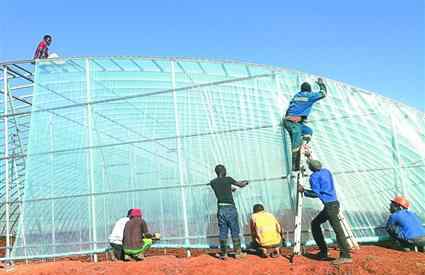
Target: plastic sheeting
{"type": "Point", "coordinates": [109, 134]}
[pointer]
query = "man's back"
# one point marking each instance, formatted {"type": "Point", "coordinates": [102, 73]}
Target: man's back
{"type": "Point", "coordinates": [409, 224]}
{"type": "Point", "coordinates": [302, 103]}
{"type": "Point", "coordinates": [42, 50]}
{"type": "Point", "coordinates": [322, 184]}
{"type": "Point", "coordinates": [133, 232]}
{"type": "Point", "coordinates": [222, 187]}
{"type": "Point", "coordinates": [118, 231]}
{"type": "Point", "coordinates": [266, 228]}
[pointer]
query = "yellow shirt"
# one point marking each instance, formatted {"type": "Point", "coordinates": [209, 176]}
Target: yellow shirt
{"type": "Point", "coordinates": [265, 229]}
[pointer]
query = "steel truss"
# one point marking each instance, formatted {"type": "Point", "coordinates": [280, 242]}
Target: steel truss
{"type": "Point", "coordinates": [16, 89]}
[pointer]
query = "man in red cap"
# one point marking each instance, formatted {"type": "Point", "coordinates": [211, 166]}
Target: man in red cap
{"type": "Point", "coordinates": [136, 239]}
{"type": "Point", "coordinates": [404, 226]}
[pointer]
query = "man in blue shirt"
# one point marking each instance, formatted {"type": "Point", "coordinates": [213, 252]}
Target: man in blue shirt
{"type": "Point", "coordinates": [322, 187]}
{"type": "Point", "coordinates": [405, 227]}
{"type": "Point", "coordinates": [298, 111]}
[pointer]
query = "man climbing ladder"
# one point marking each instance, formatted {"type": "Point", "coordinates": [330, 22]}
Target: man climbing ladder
{"type": "Point", "coordinates": [322, 187]}
{"type": "Point", "coordinates": [293, 121]}
{"type": "Point", "coordinates": [296, 115]}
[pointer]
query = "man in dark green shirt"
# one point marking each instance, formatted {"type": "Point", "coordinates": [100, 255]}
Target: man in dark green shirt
{"type": "Point", "coordinates": [227, 214]}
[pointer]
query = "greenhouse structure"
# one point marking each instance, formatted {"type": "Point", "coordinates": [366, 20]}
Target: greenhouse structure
{"type": "Point", "coordinates": [85, 139]}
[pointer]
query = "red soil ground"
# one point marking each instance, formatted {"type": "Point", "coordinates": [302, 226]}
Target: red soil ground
{"type": "Point", "coordinates": [367, 260]}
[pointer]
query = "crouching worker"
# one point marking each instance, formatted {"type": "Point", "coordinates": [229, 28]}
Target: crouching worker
{"type": "Point", "coordinates": [137, 239]}
{"type": "Point", "coordinates": [404, 226]}
{"type": "Point", "coordinates": [115, 239]}
{"type": "Point", "coordinates": [266, 232]}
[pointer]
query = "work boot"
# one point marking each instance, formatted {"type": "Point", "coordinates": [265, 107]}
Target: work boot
{"type": "Point", "coordinates": [138, 258]}
{"type": "Point", "coordinates": [322, 255]}
{"type": "Point", "coordinates": [342, 260]}
{"type": "Point", "coordinates": [401, 247]}
{"type": "Point", "coordinates": [239, 254]}
{"type": "Point", "coordinates": [223, 250]}
{"type": "Point", "coordinates": [275, 253]}
{"type": "Point", "coordinates": [263, 252]}
{"type": "Point", "coordinates": [237, 246]}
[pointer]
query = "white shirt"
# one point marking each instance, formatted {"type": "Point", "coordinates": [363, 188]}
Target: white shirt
{"type": "Point", "coordinates": [118, 231]}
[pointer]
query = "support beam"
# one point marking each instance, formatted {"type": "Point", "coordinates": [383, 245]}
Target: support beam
{"type": "Point", "coordinates": [180, 160]}
{"type": "Point", "coordinates": [286, 149]}
{"type": "Point", "coordinates": [91, 160]}
{"type": "Point", "coordinates": [399, 175]}
{"type": "Point", "coordinates": [6, 155]}
{"type": "Point", "coordinates": [162, 92]}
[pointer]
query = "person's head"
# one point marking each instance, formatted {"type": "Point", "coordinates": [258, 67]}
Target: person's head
{"type": "Point", "coordinates": [129, 212]}
{"type": "Point", "coordinates": [305, 87]}
{"type": "Point", "coordinates": [398, 203]}
{"type": "Point", "coordinates": [48, 39]}
{"type": "Point", "coordinates": [258, 208]}
{"type": "Point", "coordinates": [314, 165]}
{"type": "Point", "coordinates": [136, 213]}
{"type": "Point", "coordinates": [220, 170]}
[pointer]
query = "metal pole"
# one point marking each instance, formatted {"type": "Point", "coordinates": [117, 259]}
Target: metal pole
{"type": "Point", "coordinates": [52, 205]}
{"type": "Point", "coordinates": [104, 200]}
{"type": "Point", "coordinates": [131, 171]}
{"type": "Point", "coordinates": [90, 159]}
{"type": "Point", "coordinates": [397, 159]}
{"type": "Point", "coordinates": [179, 155]}
{"type": "Point", "coordinates": [21, 211]}
{"type": "Point", "coordinates": [15, 175]}
{"type": "Point", "coordinates": [6, 155]}
{"type": "Point", "coordinates": [285, 152]}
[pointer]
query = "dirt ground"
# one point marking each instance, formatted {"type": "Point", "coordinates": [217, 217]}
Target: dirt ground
{"type": "Point", "coordinates": [367, 260]}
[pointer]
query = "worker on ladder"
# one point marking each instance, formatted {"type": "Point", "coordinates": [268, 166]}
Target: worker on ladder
{"type": "Point", "coordinates": [322, 187]}
{"type": "Point", "coordinates": [296, 115]}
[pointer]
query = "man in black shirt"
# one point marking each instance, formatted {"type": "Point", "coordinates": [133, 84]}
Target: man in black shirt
{"type": "Point", "coordinates": [227, 214]}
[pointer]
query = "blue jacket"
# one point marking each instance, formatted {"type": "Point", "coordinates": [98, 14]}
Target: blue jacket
{"type": "Point", "coordinates": [322, 186]}
{"type": "Point", "coordinates": [405, 225]}
{"type": "Point", "coordinates": [302, 102]}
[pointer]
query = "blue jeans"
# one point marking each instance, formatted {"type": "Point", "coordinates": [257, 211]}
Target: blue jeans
{"type": "Point", "coordinates": [296, 132]}
{"type": "Point", "coordinates": [227, 217]}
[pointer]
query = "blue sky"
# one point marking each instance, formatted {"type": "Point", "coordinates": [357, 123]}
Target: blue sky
{"type": "Point", "coordinates": [376, 45]}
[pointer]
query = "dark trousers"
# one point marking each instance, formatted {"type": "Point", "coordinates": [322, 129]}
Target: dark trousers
{"type": "Point", "coordinates": [409, 244]}
{"type": "Point", "coordinates": [296, 132]}
{"type": "Point", "coordinates": [330, 213]}
{"type": "Point", "coordinates": [227, 217]}
{"type": "Point", "coordinates": [228, 220]}
{"type": "Point", "coordinates": [257, 247]}
{"type": "Point", "coordinates": [118, 251]}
